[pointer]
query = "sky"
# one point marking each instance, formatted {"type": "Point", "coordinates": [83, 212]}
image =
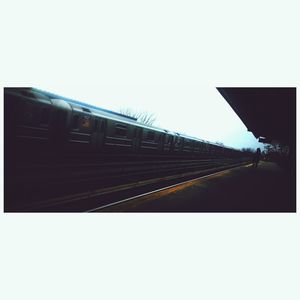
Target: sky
{"type": "Point", "coordinates": [195, 110]}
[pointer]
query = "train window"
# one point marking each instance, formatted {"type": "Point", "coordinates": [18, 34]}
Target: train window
{"type": "Point", "coordinates": [75, 123]}
{"type": "Point", "coordinates": [140, 132]}
{"type": "Point", "coordinates": [103, 126]}
{"type": "Point", "coordinates": [121, 130]}
{"type": "Point", "coordinates": [177, 140]}
{"type": "Point", "coordinates": [150, 135]}
{"type": "Point", "coordinates": [28, 117]}
{"type": "Point", "coordinates": [60, 118]}
{"type": "Point", "coordinates": [45, 116]}
{"type": "Point", "coordinates": [187, 143]}
{"type": "Point", "coordinates": [96, 122]}
{"type": "Point", "coordinates": [36, 116]}
{"type": "Point", "coordinates": [85, 122]}
{"type": "Point", "coordinates": [137, 132]}
{"type": "Point", "coordinates": [31, 115]}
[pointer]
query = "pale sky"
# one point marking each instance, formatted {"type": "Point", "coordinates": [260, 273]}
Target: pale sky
{"type": "Point", "coordinates": [195, 110]}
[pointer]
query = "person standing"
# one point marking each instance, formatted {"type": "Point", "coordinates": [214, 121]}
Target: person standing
{"type": "Point", "coordinates": [256, 157]}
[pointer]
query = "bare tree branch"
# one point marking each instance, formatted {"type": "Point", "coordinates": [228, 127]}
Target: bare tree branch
{"type": "Point", "coordinates": [141, 116]}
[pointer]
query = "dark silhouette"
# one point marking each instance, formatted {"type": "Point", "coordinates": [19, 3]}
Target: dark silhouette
{"type": "Point", "coordinates": [256, 157]}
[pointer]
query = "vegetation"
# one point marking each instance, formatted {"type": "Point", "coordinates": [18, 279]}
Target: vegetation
{"type": "Point", "coordinates": [141, 116]}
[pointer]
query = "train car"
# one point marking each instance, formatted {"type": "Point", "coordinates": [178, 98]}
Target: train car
{"type": "Point", "coordinates": [168, 141]}
{"type": "Point", "coordinates": [41, 122]}
{"type": "Point", "coordinates": [33, 121]}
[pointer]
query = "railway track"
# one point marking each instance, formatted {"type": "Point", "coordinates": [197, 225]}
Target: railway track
{"type": "Point", "coordinates": [126, 203]}
{"type": "Point", "coordinates": [69, 172]}
{"type": "Point", "coordinates": [94, 199]}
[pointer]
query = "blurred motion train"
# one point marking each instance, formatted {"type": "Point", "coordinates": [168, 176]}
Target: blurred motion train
{"type": "Point", "coordinates": [37, 121]}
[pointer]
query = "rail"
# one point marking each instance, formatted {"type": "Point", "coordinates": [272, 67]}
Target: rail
{"type": "Point", "coordinates": [69, 187]}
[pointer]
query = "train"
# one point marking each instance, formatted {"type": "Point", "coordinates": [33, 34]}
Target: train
{"type": "Point", "coordinates": [38, 121]}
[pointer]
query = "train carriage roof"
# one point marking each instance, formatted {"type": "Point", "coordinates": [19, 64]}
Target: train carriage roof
{"type": "Point", "coordinates": [81, 104]}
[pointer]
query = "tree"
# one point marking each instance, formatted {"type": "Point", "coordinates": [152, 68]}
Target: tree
{"type": "Point", "coordinates": [141, 116]}
{"type": "Point", "coordinates": [276, 151]}
{"type": "Point", "coordinates": [248, 150]}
